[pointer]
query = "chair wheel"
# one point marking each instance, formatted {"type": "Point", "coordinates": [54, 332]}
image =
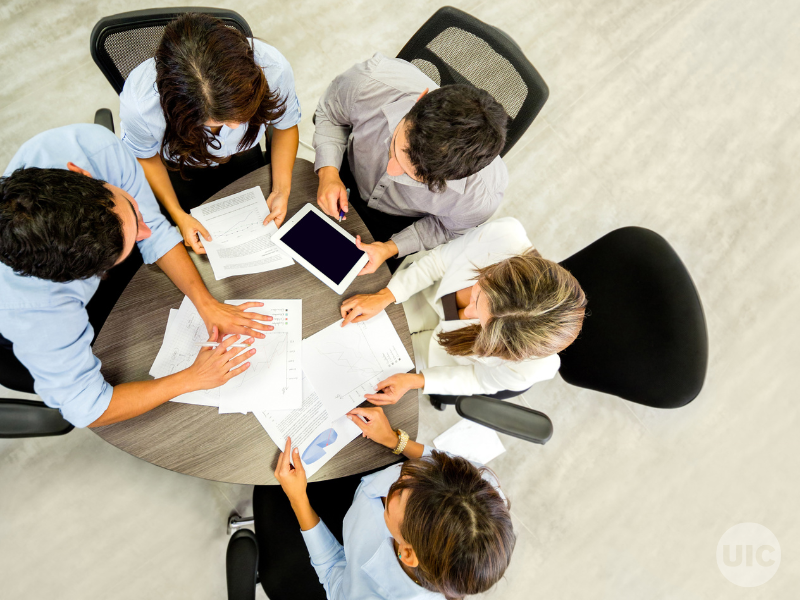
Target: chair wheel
{"type": "Point", "coordinates": [438, 405]}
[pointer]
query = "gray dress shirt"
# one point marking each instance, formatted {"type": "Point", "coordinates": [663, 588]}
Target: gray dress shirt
{"type": "Point", "coordinates": [359, 113]}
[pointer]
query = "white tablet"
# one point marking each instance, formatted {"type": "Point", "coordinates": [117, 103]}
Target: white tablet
{"type": "Point", "coordinates": [321, 246]}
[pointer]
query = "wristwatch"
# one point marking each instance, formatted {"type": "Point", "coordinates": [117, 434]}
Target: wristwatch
{"type": "Point", "coordinates": [401, 441]}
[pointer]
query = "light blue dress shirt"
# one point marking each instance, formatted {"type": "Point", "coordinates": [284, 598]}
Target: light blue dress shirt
{"type": "Point", "coordinates": [366, 566]}
{"type": "Point", "coordinates": [142, 119]}
{"type": "Point", "coordinates": [47, 321]}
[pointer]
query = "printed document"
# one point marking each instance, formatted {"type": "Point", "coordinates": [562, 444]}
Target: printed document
{"type": "Point", "coordinates": [312, 430]}
{"type": "Point", "coordinates": [344, 363]}
{"type": "Point", "coordinates": [274, 379]}
{"type": "Point", "coordinates": [240, 243]}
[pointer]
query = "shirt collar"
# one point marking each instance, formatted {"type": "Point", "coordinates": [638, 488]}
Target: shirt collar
{"type": "Point", "coordinates": [394, 113]}
{"type": "Point", "coordinates": [384, 570]}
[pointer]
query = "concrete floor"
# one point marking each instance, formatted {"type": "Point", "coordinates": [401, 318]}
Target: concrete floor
{"type": "Point", "coordinates": [676, 115]}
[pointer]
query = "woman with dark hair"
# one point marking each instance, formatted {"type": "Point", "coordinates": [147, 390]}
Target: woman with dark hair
{"type": "Point", "coordinates": [435, 526]}
{"type": "Point", "coordinates": [194, 115]}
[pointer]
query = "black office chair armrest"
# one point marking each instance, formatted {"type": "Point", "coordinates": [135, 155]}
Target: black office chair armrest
{"type": "Point", "coordinates": [511, 419]}
{"type": "Point", "coordinates": [29, 418]}
{"type": "Point", "coordinates": [104, 117]}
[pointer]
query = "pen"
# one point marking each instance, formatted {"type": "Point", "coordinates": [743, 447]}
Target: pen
{"type": "Point", "coordinates": [215, 344]}
{"type": "Point", "coordinates": [341, 214]}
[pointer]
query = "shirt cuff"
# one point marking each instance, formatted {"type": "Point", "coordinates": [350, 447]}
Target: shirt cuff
{"type": "Point", "coordinates": [83, 419]}
{"type": "Point", "coordinates": [400, 295]}
{"type": "Point", "coordinates": [328, 155]}
{"type": "Point", "coordinates": [321, 543]}
{"type": "Point", "coordinates": [407, 241]}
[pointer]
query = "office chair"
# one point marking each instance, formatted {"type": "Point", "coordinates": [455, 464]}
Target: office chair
{"type": "Point", "coordinates": [454, 47]}
{"type": "Point", "coordinates": [241, 565]}
{"type": "Point", "coordinates": [122, 42]}
{"type": "Point", "coordinates": [644, 338]}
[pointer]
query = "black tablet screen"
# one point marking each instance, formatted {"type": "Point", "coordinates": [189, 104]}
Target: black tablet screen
{"type": "Point", "coordinates": [320, 244]}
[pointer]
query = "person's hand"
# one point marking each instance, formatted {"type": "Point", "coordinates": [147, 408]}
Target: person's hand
{"type": "Point", "coordinates": [214, 366]}
{"type": "Point", "coordinates": [390, 390]}
{"type": "Point", "coordinates": [230, 318]}
{"type": "Point", "coordinates": [331, 194]}
{"type": "Point", "coordinates": [292, 478]}
{"type": "Point", "coordinates": [190, 228]}
{"type": "Point", "coordinates": [365, 306]}
{"type": "Point", "coordinates": [374, 425]}
{"type": "Point", "coordinates": [277, 202]}
{"type": "Point", "coordinates": [378, 252]}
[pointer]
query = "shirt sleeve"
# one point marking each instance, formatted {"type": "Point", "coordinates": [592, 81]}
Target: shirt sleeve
{"type": "Point", "coordinates": [432, 267]}
{"type": "Point", "coordinates": [164, 237]}
{"type": "Point", "coordinates": [480, 378]}
{"type": "Point", "coordinates": [327, 558]}
{"type": "Point", "coordinates": [55, 345]}
{"type": "Point", "coordinates": [286, 88]}
{"type": "Point", "coordinates": [333, 117]}
{"type": "Point", "coordinates": [136, 134]}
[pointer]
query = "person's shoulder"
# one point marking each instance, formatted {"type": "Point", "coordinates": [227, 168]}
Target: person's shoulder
{"type": "Point", "coordinates": [508, 229]}
{"type": "Point", "coordinates": [267, 56]}
{"type": "Point", "coordinates": [396, 73]}
{"type": "Point", "coordinates": [48, 146]}
{"type": "Point", "coordinates": [141, 82]}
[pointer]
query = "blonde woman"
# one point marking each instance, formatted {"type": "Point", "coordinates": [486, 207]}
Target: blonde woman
{"type": "Point", "coordinates": [486, 312]}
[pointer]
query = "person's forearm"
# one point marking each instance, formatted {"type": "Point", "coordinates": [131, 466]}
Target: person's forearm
{"type": "Point", "coordinates": [158, 178]}
{"type": "Point", "coordinates": [284, 152]}
{"type": "Point", "coordinates": [181, 270]}
{"type": "Point", "coordinates": [133, 399]}
{"type": "Point", "coordinates": [306, 516]}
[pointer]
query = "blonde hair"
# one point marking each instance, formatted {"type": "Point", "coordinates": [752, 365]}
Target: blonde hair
{"type": "Point", "coordinates": [537, 309]}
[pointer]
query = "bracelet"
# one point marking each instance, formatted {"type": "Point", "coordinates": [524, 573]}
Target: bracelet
{"type": "Point", "coordinates": [401, 442]}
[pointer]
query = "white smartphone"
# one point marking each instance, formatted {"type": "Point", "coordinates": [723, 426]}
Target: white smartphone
{"type": "Point", "coordinates": [321, 246]}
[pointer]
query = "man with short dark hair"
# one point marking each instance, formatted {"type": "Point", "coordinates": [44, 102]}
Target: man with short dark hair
{"type": "Point", "coordinates": [425, 164]}
{"type": "Point", "coordinates": [75, 213]}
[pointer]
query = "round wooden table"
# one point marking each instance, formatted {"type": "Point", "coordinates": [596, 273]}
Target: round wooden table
{"type": "Point", "coordinates": [197, 440]}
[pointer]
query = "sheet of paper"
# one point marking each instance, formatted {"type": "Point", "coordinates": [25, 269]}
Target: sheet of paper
{"type": "Point", "coordinates": [312, 431]}
{"type": "Point", "coordinates": [274, 379]}
{"type": "Point", "coordinates": [344, 363]}
{"type": "Point", "coordinates": [472, 441]}
{"type": "Point", "coordinates": [179, 349]}
{"type": "Point", "coordinates": [241, 244]}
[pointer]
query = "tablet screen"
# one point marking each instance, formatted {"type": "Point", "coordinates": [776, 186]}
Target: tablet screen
{"type": "Point", "coordinates": [320, 244]}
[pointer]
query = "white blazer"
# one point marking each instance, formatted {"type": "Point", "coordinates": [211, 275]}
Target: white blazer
{"type": "Point", "coordinates": [419, 285]}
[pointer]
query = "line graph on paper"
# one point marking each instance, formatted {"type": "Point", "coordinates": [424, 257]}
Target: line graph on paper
{"type": "Point", "coordinates": [344, 363]}
{"type": "Point", "coordinates": [233, 217]}
{"type": "Point", "coordinates": [269, 365]}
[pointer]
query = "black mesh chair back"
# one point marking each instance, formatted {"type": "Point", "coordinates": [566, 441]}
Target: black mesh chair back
{"type": "Point", "coordinates": [454, 47]}
{"type": "Point", "coordinates": [644, 338]}
{"type": "Point", "coordinates": [122, 42]}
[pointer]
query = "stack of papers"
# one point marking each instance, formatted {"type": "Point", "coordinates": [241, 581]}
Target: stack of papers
{"type": "Point", "coordinates": [241, 244]}
{"type": "Point", "coordinates": [272, 382]}
{"type": "Point", "coordinates": [340, 365]}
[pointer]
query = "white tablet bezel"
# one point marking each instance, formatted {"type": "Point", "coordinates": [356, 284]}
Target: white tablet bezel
{"type": "Point", "coordinates": [351, 275]}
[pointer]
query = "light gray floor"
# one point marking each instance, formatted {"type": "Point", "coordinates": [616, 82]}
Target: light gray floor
{"type": "Point", "coordinates": [677, 115]}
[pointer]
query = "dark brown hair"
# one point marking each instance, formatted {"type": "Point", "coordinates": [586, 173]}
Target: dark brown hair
{"type": "Point", "coordinates": [457, 522]}
{"type": "Point", "coordinates": [537, 309]}
{"type": "Point", "coordinates": [58, 225]}
{"type": "Point", "coordinates": [207, 71]}
{"type": "Point", "coordinates": [454, 132]}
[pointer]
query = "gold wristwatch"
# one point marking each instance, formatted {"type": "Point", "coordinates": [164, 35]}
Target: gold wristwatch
{"type": "Point", "coordinates": [401, 441]}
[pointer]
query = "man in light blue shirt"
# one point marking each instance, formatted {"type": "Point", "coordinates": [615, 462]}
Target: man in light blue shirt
{"type": "Point", "coordinates": [73, 203]}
